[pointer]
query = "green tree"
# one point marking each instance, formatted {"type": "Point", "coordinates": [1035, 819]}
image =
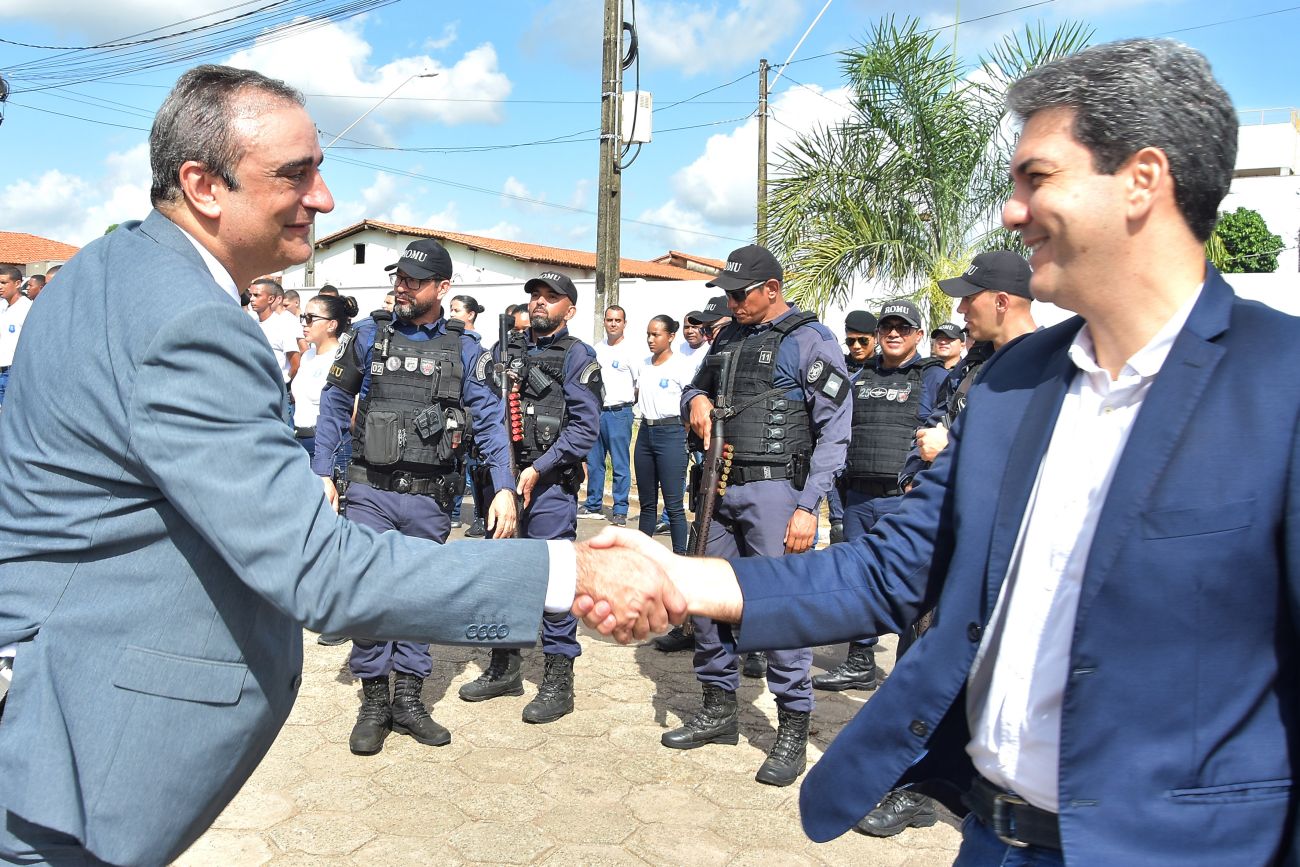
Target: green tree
{"type": "Point", "coordinates": [111, 227]}
{"type": "Point", "coordinates": [910, 186]}
{"type": "Point", "coordinates": [1248, 246]}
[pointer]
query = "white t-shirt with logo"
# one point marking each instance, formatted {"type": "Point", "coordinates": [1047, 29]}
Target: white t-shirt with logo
{"type": "Point", "coordinates": [659, 387]}
{"type": "Point", "coordinates": [12, 317]}
{"type": "Point", "coordinates": [692, 356]}
{"type": "Point", "coordinates": [616, 364]}
{"type": "Point", "coordinates": [313, 369]}
{"type": "Point", "coordinates": [282, 331]}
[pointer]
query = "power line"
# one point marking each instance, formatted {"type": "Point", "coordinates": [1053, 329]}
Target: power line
{"type": "Point", "coordinates": [1230, 21]}
{"type": "Point", "coordinates": [76, 117]}
{"type": "Point", "coordinates": [152, 38]}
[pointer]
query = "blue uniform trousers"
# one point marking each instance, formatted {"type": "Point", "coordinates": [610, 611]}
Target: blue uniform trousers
{"type": "Point", "coordinates": [750, 520]}
{"type": "Point", "coordinates": [980, 847]}
{"type": "Point", "coordinates": [553, 514]}
{"type": "Point", "coordinates": [412, 515]}
{"type": "Point", "coordinates": [615, 440]}
{"type": "Point", "coordinates": [861, 512]}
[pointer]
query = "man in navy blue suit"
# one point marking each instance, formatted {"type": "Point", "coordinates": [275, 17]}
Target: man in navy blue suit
{"type": "Point", "coordinates": [1119, 487]}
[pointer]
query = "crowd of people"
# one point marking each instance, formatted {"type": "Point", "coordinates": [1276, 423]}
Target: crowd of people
{"type": "Point", "coordinates": [1053, 521]}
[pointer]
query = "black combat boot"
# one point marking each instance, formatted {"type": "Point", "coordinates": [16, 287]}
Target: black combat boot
{"type": "Point", "coordinates": [502, 677]}
{"type": "Point", "coordinates": [755, 664]}
{"type": "Point", "coordinates": [374, 720]}
{"type": "Point", "coordinates": [676, 639]}
{"type": "Point", "coordinates": [857, 672]}
{"type": "Point", "coordinates": [555, 695]}
{"type": "Point", "coordinates": [409, 714]}
{"type": "Point", "coordinates": [898, 810]}
{"type": "Point", "coordinates": [714, 723]}
{"type": "Point", "coordinates": [789, 755]}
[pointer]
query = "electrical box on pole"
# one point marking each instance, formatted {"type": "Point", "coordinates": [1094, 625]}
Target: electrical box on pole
{"type": "Point", "coordinates": [638, 115]}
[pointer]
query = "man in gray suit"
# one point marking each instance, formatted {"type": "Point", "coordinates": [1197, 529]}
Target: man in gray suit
{"type": "Point", "coordinates": [162, 537]}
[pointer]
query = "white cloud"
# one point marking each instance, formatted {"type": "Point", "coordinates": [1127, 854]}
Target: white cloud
{"type": "Point", "coordinates": [581, 193]}
{"type": "Point", "coordinates": [335, 60]}
{"type": "Point", "coordinates": [450, 31]}
{"type": "Point", "coordinates": [504, 231]}
{"type": "Point", "coordinates": [103, 21]}
{"type": "Point", "coordinates": [716, 192]}
{"type": "Point", "coordinates": [76, 209]}
{"type": "Point", "coordinates": [515, 187]}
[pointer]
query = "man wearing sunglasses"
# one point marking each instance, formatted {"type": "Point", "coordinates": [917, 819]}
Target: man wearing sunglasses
{"type": "Point", "coordinates": [789, 426]}
{"type": "Point", "coordinates": [423, 394]}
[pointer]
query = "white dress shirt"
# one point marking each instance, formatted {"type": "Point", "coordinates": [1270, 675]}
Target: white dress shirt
{"type": "Point", "coordinates": [1016, 725]}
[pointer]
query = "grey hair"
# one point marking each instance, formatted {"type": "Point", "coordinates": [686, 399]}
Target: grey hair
{"type": "Point", "coordinates": [196, 122]}
{"type": "Point", "coordinates": [1140, 93]}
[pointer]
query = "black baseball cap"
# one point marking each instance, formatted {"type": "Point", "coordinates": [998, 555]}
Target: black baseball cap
{"type": "Point", "coordinates": [747, 266]}
{"type": "Point", "coordinates": [948, 329]}
{"type": "Point", "coordinates": [423, 259]}
{"type": "Point", "coordinates": [998, 270]}
{"type": "Point", "coordinates": [901, 309]}
{"type": "Point", "coordinates": [860, 321]}
{"type": "Point", "coordinates": [556, 281]}
{"type": "Point", "coordinates": [712, 312]}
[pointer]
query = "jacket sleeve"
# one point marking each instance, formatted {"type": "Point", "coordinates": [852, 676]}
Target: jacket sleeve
{"type": "Point", "coordinates": [201, 394]}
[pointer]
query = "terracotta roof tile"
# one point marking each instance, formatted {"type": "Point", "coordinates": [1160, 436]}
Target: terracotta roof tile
{"type": "Point", "coordinates": [20, 248]}
{"type": "Point", "coordinates": [520, 250]}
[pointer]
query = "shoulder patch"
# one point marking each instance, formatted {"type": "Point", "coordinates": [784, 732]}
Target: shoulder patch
{"type": "Point", "coordinates": [590, 374]}
{"type": "Point", "coordinates": [345, 340]}
{"type": "Point", "coordinates": [481, 368]}
{"type": "Point", "coordinates": [824, 379]}
{"type": "Point", "coordinates": [815, 370]}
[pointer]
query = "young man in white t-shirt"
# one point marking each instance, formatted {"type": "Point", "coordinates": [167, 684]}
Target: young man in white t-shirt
{"type": "Point", "coordinates": [616, 356]}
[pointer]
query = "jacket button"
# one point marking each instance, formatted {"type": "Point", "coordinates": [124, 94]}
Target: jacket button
{"type": "Point", "coordinates": [973, 632]}
{"type": "Point", "coordinates": [919, 728]}
{"type": "Point", "coordinates": [472, 632]}
{"type": "Point", "coordinates": [295, 682]}
{"type": "Point", "coordinates": [503, 631]}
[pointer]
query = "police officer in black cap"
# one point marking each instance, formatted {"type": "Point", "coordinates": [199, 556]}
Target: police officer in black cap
{"type": "Point", "coordinates": [788, 426]}
{"type": "Point", "coordinates": [422, 396]}
{"type": "Point", "coordinates": [892, 394]}
{"type": "Point", "coordinates": [554, 418]}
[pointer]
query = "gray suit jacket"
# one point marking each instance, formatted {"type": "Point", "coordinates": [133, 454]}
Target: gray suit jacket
{"type": "Point", "coordinates": [163, 540]}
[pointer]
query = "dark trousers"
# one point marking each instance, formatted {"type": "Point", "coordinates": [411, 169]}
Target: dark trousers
{"type": "Point", "coordinates": [412, 515]}
{"type": "Point", "coordinates": [861, 512]}
{"type": "Point", "coordinates": [553, 514]}
{"type": "Point", "coordinates": [660, 462]}
{"type": "Point", "coordinates": [751, 520]}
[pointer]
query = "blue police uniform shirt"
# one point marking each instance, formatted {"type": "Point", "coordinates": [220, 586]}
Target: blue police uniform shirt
{"type": "Point", "coordinates": [487, 413]}
{"type": "Point", "coordinates": [831, 423]}
{"type": "Point", "coordinates": [581, 404]}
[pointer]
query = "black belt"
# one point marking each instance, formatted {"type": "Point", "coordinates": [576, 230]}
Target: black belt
{"type": "Point", "coordinates": [5, 369]}
{"type": "Point", "coordinates": [668, 419]}
{"type": "Point", "coordinates": [615, 407]}
{"type": "Point", "coordinates": [303, 432]}
{"type": "Point", "coordinates": [402, 482]}
{"type": "Point", "coordinates": [1015, 821]}
{"type": "Point", "coordinates": [739, 475]}
{"type": "Point", "coordinates": [874, 487]}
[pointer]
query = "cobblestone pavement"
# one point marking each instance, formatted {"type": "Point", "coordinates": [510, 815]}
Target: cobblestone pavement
{"type": "Point", "coordinates": [594, 788]}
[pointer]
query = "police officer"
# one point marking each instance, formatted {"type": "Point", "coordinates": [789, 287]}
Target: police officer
{"type": "Point", "coordinates": [422, 395]}
{"type": "Point", "coordinates": [995, 300]}
{"type": "Point", "coordinates": [892, 394]}
{"type": "Point", "coordinates": [554, 418]}
{"type": "Point", "coordinates": [788, 389]}
{"type": "Point", "coordinates": [860, 341]}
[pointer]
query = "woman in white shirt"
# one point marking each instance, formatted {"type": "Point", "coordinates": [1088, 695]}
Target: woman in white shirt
{"type": "Point", "coordinates": [326, 318]}
{"type": "Point", "coordinates": [660, 455]}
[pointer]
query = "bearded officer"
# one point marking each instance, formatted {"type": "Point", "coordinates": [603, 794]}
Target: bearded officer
{"type": "Point", "coordinates": [422, 396]}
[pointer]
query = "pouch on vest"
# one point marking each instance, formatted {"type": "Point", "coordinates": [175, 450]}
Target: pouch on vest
{"type": "Point", "coordinates": [546, 430]}
{"type": "Point", "coordinates": [383, 438]}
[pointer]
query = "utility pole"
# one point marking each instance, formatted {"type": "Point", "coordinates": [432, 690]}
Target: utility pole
{"type": "Point", "coordinates": [608, 207]}
{"type": "Point", "coordinates": [761, 228]}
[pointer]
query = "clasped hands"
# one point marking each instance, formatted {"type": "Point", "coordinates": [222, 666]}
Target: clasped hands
{"type": "Point", "coordinates": [629, 586]}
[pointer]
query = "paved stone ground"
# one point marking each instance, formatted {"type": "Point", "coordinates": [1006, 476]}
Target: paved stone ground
{"type": "Point", "coordinates": [594, 788]}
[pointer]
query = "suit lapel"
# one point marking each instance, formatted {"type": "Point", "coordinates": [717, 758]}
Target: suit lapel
{"type": "Point", "coordinates": [1032, 438]}
{"type": "Point", "coordinates": [1158, 429]}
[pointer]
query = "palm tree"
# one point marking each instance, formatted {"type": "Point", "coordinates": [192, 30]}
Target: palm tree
{"type": "Point", "coordinates": [908, 188]}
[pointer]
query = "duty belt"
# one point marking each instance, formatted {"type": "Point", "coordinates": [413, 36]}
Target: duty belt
{"type": "Point", "coordinates": [304, 432]}
{"type": "Point", "coordinates": [1016, 822]}
{"type": "Point", "coordinates": [400, 482]}
{"type": "Point", "coordinates": [874, 487]}
{"type": "Point", "coordinates": [740, 474]}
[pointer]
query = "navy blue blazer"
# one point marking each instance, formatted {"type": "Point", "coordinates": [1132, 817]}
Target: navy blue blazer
{"type": "Point", "coordinates": [1178, 728]}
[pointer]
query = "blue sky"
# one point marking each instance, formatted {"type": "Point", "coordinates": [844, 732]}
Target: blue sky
{"type": "Point", "coordinates": [512, 72]}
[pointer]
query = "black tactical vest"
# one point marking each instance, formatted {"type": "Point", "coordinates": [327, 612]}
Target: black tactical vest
{"type": "Point", "coordinates": [412, 418]}
{"type": "Point", "coordinates": [768, 428]}
{"type": "Point", "coordinates": [541, 398]}
{"type": "Point", "coordinates": [884, 419]}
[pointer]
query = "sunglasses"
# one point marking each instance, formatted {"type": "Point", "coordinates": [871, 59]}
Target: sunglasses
{"type": "Point", "coordinates": [397, 280]}
{"type": "Point", "coordinates": [739, 295]}
{"type": "Point", "coordinates": [903, 330]}
{"type": "Point", "coordinates": [309, 318]}
{"type": "Point", "coordinates": [857, 341]}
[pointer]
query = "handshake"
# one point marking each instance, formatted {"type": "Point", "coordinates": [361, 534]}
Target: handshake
{"type": "Point", "coordinates": [628, 586]}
